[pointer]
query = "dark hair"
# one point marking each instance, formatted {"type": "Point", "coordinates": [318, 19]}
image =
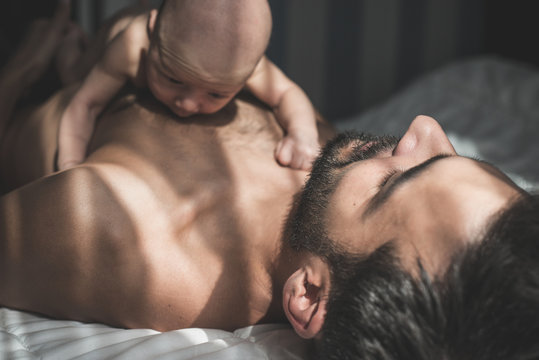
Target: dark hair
{"type": "Point", "coordinates": [485, 306]}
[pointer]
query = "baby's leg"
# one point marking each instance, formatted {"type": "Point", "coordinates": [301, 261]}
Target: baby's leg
{"type": "Point", "coordinates": [69, 56]}
{"type": "Point", "coordinates": [27, 65]}
{"type": "Point", "coordinates": [77, 55]}
{"type": "Point", "coordinates": [30, 61]}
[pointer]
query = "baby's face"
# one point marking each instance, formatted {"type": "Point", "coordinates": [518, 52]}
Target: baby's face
{"type": "Point", "coordinates": [183, 90]}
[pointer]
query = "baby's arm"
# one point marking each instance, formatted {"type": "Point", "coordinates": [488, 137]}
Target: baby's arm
{"type": "Point", "coordinates": [104, 80]}
{"type": "Point", "coordinates": [78, 120]}
{"type": "Point", "coordinates": [294, 112]}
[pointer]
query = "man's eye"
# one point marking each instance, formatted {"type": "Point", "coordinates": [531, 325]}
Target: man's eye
{"type": "Point", "coordinates": [386, 178]}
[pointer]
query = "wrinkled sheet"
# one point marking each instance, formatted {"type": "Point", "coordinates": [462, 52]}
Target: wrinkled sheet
{"type": "Point", "coordinates": [31, 337]}
{"type": "Point", "coordinates": [489, 107]}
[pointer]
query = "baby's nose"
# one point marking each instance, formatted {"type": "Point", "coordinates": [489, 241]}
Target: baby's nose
{"type": "Point", "coordinates": [188, 104]}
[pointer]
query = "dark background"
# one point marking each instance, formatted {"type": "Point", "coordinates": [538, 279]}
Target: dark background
{"type": "Point", "coordinates": [349, 55]}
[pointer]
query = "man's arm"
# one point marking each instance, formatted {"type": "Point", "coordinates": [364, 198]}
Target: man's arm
{"type": "Point", "coordinates": [67, 248]}
{"type": "Point", "coordinates": [293, 110]}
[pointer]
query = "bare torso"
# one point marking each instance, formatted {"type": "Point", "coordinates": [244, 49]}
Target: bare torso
{"type": "Point", "coordinates": [169, 223]}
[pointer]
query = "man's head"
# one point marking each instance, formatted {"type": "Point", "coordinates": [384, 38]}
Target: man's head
{"type": "Point", "coordinates": [485, 305]}
{"type": "Point", "coordinates": [413, 198]}
{"type": "Point", "coordinates": [203, 51]}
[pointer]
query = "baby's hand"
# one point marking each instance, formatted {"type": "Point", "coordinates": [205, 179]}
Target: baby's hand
{"type": "Point", "coordinates": [297, 152]}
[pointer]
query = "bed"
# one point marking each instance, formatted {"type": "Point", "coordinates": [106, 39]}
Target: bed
{"type": "Point", "coordinates": [29, 336]}
{"type": "Point", "coordinates": [488, 106]}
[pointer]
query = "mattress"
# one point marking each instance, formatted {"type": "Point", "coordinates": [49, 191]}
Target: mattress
{"type": "Point", "coordinates": [488, 106]}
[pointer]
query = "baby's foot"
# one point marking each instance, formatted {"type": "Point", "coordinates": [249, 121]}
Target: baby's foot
{"type": "Point", "coordinates": [296, 153]}
{"type": "Point", "coordinates": [69, 53]}
{"type": "Point", "coordinates": [29, 61]}
{"type": "Point", "coordinates": [38, 46]}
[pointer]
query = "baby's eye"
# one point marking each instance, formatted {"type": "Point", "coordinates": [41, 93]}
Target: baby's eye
{"type": "Point", "coordinates": [174, 81]}
{"type": "Point", "coordinates": [217, 95]}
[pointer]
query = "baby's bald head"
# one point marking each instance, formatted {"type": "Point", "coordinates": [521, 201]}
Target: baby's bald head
{"type": "Point", "coordinates": [221, 38]}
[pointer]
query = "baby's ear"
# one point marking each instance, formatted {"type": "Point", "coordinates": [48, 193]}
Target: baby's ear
{"type": "Point", "coordinates": [152, 18]}
{"type": "Point", "coordinates": [306, 308]}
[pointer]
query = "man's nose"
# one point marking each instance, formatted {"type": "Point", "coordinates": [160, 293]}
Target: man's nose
{"type": "Point", "coordinates": [424, 138]}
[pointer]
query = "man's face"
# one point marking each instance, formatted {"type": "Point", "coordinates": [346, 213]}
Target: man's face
{"type": "Point", "coordinates": [415, 193]}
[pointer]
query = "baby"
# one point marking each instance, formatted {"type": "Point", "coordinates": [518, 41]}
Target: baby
{"type": "Point", "coordinates": [194, 56]}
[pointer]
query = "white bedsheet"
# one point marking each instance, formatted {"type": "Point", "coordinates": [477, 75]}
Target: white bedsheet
{"type": "Point", "coordinates": [25, 336]}
{"type": "Point", "coordinates": [489, 107]}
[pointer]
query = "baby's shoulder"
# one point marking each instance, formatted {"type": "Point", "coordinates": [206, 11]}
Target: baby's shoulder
{"type": "Point", "coordinates": [123, 54]}
{"type": "Point", "coordinates": [135, 36]}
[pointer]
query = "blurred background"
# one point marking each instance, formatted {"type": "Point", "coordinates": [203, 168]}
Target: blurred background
{"type": "Point", "coordinates": [349, 55]}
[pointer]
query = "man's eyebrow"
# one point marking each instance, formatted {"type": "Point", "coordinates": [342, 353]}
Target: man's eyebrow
{"type": "Point", "coordinates": [382, 196]}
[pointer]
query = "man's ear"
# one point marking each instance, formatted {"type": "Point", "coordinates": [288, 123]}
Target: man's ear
{"type": "Point", "coordinates": [152, 18]}
{"type": "Point", "coordinates": [307, 309]}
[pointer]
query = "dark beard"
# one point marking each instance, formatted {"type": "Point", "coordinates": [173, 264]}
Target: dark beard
{"type": "Point", "coordinates": [307, 227]}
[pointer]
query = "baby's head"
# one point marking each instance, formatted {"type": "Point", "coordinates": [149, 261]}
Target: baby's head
{"type": "Point", "coordinates": [203, 51]}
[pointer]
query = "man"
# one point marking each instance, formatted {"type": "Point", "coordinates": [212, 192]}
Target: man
{"type": "Point", "coordinates": [170, 223]}
{"type": "Point", "coordinates": [430, 255]}
{"type": "Point", "coordinates": [152, 232]}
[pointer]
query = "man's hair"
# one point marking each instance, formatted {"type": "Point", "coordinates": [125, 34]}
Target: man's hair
{"type": "Point", "coordinates": [485, 306]}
